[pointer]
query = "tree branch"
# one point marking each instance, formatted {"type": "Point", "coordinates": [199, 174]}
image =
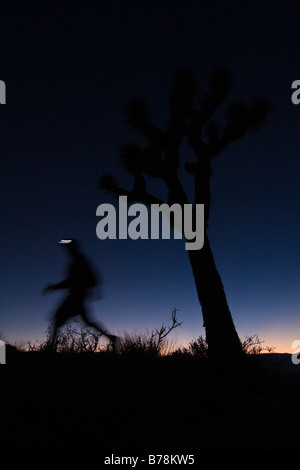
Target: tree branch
{"type": "Point", "coordinates": [110, 185]}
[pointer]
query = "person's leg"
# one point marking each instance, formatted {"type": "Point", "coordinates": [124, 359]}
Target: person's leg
{"type": "Point", "coordinates": [63, 313]}
{"type": "Point", "coordinates": [54, 335]}
{"type": "Point", "coordinates": [92, 324]}
{"type": "Point", "coordinates": [97, 326]}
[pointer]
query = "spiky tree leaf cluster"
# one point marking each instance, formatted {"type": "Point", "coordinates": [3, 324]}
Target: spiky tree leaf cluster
{"type": "Point", "coordinates": [191, 118]}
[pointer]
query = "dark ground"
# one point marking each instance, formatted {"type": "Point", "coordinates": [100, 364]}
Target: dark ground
{"type": "Point", "coordinates": [144, 404]}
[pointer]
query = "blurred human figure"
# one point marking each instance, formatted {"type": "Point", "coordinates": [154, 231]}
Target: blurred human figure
{"type": "Point", "coordinates": [80, 282]}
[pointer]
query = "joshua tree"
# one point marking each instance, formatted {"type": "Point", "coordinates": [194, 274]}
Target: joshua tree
{"type": "Point", "coordinates": [159, 158]}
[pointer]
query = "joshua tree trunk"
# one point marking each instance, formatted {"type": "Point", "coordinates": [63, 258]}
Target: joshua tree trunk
{"type": "Point", "coordinates": [221, 336]}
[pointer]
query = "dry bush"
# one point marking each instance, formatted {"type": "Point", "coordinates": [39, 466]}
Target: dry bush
{"type": "Point", "coordinates": [253, 345]}
{"type": "Point", "coordinates": [152, 343]}
{"type": "Point", "coordinates": [73, 338]}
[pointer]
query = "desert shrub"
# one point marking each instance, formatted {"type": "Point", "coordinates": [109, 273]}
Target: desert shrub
{"type": "Point", "coordinates": [253, 345]}
{"type": "Point", "coordinates": [137, 343]}
{"type": "Point", "coordinates": [73, 338]}
{"type": "Point", "coordinates": [152, 343]}
{"type": "Point", "coordinates": [198, 348]}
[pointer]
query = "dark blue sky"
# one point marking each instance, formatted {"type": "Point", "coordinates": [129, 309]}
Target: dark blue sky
{"type": "Point", "coordinates": [68, 70]}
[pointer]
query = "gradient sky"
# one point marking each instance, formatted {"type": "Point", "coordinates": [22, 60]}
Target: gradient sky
{"type": "Point", "coordinates": [68, 70]}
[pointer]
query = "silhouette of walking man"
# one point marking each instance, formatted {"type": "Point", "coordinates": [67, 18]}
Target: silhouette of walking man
{"type": "Point", "coordinates": [80, 282]}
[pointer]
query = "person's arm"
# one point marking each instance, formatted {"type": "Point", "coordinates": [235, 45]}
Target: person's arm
{"type": "Point", "coordinates": [60, 285]}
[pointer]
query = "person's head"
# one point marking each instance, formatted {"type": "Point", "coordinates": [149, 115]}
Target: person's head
{"type": "Point", "coordinates": [71, 245]}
